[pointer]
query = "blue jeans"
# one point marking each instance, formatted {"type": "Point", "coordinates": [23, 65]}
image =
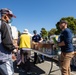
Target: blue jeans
{"type": "Point", "coordinates": [6, 68]}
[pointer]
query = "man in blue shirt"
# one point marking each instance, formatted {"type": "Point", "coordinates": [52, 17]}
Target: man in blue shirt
{"type": "Point", "coordinates": [36, 39]}
{"type": "Point", "coordinates": [67, 51]}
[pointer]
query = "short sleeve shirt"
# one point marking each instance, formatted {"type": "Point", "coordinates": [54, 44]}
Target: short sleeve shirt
{"type": "Point", "coordinates": [36, 38]}
{"type": "Point", "coordinates": [66, 36]}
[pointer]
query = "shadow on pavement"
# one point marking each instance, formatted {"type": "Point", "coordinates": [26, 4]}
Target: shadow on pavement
{"type": "Point", "coordinates": [55, 70]}
{"type": "Point", "coordinates": [34, 70]}
{"type": "Point", "coordinates": [73, 68]}
{"type": "Point", "coordinates": [52, 60]}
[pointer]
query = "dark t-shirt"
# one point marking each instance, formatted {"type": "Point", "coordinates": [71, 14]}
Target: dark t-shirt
{"type": "Point", "coordinates": [66, 36]}
{"type": "Point", "coordinates": [36, 38]}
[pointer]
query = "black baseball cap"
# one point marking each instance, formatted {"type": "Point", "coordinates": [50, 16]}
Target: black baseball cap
{"type": "Point", "coordinates": [63, 21]}
{"type": "Point", "coordinates": [34, 31]}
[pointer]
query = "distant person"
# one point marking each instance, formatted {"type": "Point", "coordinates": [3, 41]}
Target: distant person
{"type": "Point", "coordinates": [25, 50]}
{"type": "Point", "coordinates": [67, 51]}
{"type": "Point", "coordinates": [35, 40]}
{"type": "Point", "coordinates": [6, 43]}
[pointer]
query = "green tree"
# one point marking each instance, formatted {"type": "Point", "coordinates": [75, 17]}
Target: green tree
{"type": "Point", "coordinates": [71, 24]}
{"type": "Point", "coordinates": [19, 33]}
{"type": "Point", "coordinates": [43, 33]}
{"type": "Point", "coordinates": [52, 32]}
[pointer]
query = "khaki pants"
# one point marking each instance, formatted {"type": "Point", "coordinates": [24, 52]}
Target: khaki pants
{"type": "Point", "coordinates": [65, 62]}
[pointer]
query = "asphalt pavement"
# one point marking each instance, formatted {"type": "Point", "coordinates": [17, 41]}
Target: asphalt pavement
{"type": "Point", "coordinates": [43, 69]}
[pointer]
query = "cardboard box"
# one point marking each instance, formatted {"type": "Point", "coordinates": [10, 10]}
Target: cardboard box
{"type": "Point", "coordinates": [40, 46]}
{"type": "Point", "coordinates": [34, 45]}
{"type": "Point", "coordinates": [48, 46]}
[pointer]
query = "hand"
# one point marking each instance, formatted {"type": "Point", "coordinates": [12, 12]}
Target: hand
{"type": "Point", "coordinates": [17, 47]}
{"type": "Point", "coordinates": [15, 51]}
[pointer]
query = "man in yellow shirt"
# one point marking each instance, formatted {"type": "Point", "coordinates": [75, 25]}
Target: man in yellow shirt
{"type": "Point", "coordinates": [25, 45]}
{"type": "Point", "coordinates": [25, 40]}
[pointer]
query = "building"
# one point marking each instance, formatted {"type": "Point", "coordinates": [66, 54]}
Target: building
{"type": "Point", "coordinates": [14, 32]}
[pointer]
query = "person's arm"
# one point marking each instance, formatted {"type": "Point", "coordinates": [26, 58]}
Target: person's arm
{"type": "Point", "coordinates": [67, 38]}
{"type": "Point", "coordinates": [41, 40]}
{"type": "Point", "coordinates": [61, 43]}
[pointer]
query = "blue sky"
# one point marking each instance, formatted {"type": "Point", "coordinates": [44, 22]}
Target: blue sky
{"type": "Point", "coordinates": [37, 14]}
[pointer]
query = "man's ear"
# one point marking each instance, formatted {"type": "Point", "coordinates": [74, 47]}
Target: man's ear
{"type": "Point", "coordinates": [5, 17]}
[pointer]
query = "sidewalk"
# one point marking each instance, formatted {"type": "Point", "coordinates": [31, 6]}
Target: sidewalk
{"type": "Point", "coordinates": [43, 69]}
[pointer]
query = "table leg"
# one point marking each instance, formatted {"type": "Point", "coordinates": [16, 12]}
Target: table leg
{"type": "Point", "coordinates": [51, 68]}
